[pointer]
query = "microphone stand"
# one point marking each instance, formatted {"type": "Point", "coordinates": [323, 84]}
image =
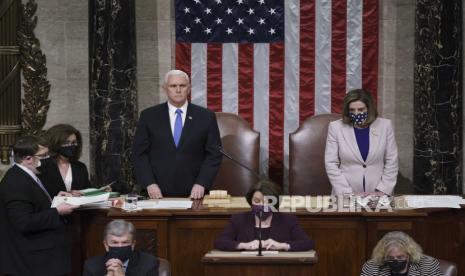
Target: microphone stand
{"type": "Point", "coordinates": [260, 234]}
{"type": "Point", "coordinates": [220, 149]}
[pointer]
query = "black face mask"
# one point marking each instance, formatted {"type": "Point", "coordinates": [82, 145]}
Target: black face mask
{"type": "Point", "coordinates": [396, 266]}
{"type": "Point", "coordinates": [68, 151]}
{"type": "Point", "coordinates": [257, 209]}
{"type": "Point", "coordinates": [122, 253]}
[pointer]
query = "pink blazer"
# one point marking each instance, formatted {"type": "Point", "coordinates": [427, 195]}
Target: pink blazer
{"type": "Point", "coordinates": [344, 163]}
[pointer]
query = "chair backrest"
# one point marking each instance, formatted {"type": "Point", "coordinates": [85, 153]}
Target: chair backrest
{"type": "Point", "coordinates": [164, 267]}
{"type": "Point", "coordinates": [447, 268]}
{"type": "Point", "coordinates": [242, 143]}
{"type": "Point", "coordinates": [307, 173]}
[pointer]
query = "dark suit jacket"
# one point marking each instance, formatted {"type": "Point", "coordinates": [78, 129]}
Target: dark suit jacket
{"type": "Point", "coordinates": [33, 237]}
{"type": "Point", "coordinates": [157, 160]}
{"type": "Point", "coordinates": [284, 228]}
{"type": "Point", "coordinates": [140, 264]}
{"type": "Point", "coordinates": [53, 182]}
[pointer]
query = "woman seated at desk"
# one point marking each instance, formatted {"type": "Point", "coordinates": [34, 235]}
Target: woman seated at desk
{"type": "Point", "coordinates": [398, 254]}
{"type": "Point", "coordinates": [279, 231]}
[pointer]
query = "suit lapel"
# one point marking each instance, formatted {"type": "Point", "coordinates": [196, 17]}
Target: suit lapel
{"type": "Point", "coordinates": [132, 264]}
{"type": "Point", "coordinates": [59, 178]}
{"type": "Point", "coordinates": [166, 125]}
{"type": "Point", "coordinates": [249, 228]}
{"type": "Point", "coordinates": [374, 140]}
{"type": "Point", "coordinates": [75, 176]}
{"type": "Point", "coordinates": [33, 182]}
{"type": "Point", "coordinates": [349, 136]}
{"type": "Point", "coordinates": [188, 125]}
{"type": "Point", "coordinates": [274, 230]}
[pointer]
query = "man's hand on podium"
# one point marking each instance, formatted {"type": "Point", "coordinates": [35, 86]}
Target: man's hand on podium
{"type": "Point", "coordinates": [197, 191]}
{"type": "Point", "coordinates": [154, 191]}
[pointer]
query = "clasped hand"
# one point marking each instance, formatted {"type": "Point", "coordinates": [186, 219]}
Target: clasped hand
{"type": "Point", "coordinates": [114, 267]}
{"type": "Point", "coordinates": [268, 244]}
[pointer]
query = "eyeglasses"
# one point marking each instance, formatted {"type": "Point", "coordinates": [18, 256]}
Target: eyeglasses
{"type": "Point", "coordinates": [67, 144]}
{"type": "Point", "coordinates": [42, 156]}
{"type": "Point", "coordinates": [399, 258]}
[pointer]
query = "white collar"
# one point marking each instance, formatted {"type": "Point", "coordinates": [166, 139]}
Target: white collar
{"type": "Point", "coordinates": [28, 171]}
{"type": "Point", "coordinates": [172, 108]}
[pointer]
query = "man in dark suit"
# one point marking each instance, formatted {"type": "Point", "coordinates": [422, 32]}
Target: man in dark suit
{"type": "Point", "coordinates": [121, 258]}
{"type": "Point", "coordinates": [175, 149]}
{"type": "Point", "coordinates": [32, 234]}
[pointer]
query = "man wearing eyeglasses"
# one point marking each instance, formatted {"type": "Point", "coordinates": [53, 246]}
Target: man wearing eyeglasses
{"type": "Point", "coordinates": [32, 234]}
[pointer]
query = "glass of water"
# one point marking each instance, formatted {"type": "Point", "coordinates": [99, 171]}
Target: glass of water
{"type": "Point", "coordinates": [130, 202]}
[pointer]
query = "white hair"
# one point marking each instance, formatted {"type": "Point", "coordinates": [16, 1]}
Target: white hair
{"type": "Point", "coordinates": [175, 73]}
{"type": "Point", "coordinates": [119, 227]}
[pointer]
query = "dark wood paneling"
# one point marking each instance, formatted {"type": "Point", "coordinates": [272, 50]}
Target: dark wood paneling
{"type": "Point", "coordinates": [258, 270]}
{"type": "Point", "coordinates": [190, 239]}
{"type": "Point", "coordinates": [344, 241]}
{"type": "Point", "coordinates": [335, 240]}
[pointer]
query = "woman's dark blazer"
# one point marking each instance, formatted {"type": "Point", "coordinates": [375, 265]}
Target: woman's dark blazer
{"type": "Point", "coordinates": [284, 228]}
{"type": "Point", "coordinates": [53, 182]}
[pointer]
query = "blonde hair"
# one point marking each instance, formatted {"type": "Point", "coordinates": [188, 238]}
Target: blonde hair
{"type": "Point", "coordinates": [400, 240]}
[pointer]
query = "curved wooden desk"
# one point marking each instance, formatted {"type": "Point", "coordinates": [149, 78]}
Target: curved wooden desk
{"type": "Point", "coordinates": [344, 241]}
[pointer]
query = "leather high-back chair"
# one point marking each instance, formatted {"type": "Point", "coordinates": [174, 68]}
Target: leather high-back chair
{"type": "Point", "coordinates": [307, 173]}
{"type": "Point", "coordinates": [448, 268]}
{"type": "Point", "coordinates": [164, 267]}
{"type": "Point", "coordinates": [242, 143]}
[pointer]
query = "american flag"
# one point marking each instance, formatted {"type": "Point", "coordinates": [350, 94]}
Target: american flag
{"type": "Point", "coordinates": [277, 62]}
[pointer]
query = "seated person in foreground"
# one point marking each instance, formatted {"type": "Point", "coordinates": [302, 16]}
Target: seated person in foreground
{"type": "Point", "coordinates": [398, 254]}
{"type": "Point", "coordinates": [280, 231]}
{"type": "Point", "coordinates": [119, 240]}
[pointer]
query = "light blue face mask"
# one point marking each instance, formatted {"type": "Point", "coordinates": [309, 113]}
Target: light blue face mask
{"type": "Point", "coordinates": [358, 119]}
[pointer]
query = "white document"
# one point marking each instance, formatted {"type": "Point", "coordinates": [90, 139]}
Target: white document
{"type": "Point", "coordinates": [79, 200]}
{"type": "Point", "coordinates": [165, 204]}
{"type": "Point", "coordinates": [88, 190]}
{"type": "Point", "coordinates": [269, 254]}
{"type": "Point", "coordinates": [264, 252]}
{"type": "Point", "coordinates": [433, 201]}
{"type": "Point", "coordinates": [97, 205]}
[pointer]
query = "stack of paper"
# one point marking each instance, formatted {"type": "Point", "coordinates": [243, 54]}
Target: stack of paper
{"type": "Point", "coordinates": [165, 204]}
{"type": "Point", "coordinates": [247, 254]}
{"type": "Point", "coordinates": [79, 200]}
{"type": "Point", "coordinates": [429, 201]}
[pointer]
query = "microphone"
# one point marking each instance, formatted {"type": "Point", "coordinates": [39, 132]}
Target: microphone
{"type": "Point", "coordinates": [260, 214]}
{"type": "Point", "coordinates": [221, 150]}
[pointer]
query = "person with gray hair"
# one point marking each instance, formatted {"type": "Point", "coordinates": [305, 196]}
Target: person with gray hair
{"type": "Point", "coordinates": [119, 240]}
{"type": "Point", "coordinates": [175, 152]}
{"type": "Point", "coordinates": [398, 254]}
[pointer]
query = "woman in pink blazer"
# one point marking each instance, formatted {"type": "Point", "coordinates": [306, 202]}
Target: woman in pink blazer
{"type": "Point", "coordinates": [361, 150]}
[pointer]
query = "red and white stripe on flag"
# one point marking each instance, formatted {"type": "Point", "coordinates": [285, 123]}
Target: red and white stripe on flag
{"type": "Point", "coordinates": [331, 46]}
